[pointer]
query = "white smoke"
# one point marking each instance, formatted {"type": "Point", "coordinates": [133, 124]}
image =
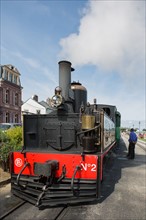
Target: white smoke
{"type": "Point", "coordinates": [111, 36]}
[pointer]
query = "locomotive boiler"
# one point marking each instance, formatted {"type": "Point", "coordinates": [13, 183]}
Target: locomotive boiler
{"type": "Point", "coordinates": [62, 158]}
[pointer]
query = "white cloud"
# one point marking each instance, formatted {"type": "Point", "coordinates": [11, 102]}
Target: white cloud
{"type": "Point", "coordinates": [110, 36]}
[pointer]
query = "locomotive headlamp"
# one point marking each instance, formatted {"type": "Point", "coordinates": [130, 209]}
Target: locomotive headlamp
{"type": "Point", "coordinates": [57, 98]}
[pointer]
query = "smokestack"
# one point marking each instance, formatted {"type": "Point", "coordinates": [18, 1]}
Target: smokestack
{"type": "Point", "coordinates": [65, 77]}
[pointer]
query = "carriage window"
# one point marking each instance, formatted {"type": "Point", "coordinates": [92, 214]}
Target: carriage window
{"type": "Point", "coordinates": [107, 110]}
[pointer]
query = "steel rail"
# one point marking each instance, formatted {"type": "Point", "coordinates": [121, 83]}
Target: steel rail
{"type": "Point", "coordinates": [12, 210]}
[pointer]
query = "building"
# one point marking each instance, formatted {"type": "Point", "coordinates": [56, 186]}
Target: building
{"type": "Point", "coordinates": [10, 94]}
{"type": "Point", "coordinates": [47, 106]}
{"type": "Point", "coordinates": [32, 106]}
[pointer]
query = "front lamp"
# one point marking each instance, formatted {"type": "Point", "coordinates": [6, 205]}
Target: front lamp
{"type": "Point", "coordinates": [57, 98]}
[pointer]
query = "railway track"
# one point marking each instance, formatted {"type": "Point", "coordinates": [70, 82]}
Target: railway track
{"type": "Point", "coordinates": [14, 208]}
{"type": "Point", "coordinates": [4, 215]}
{"type": "Point", "coordinates": [25, 210]}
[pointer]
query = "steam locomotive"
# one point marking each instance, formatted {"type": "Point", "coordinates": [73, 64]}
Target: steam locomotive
{"type": "Point", "coordinates": [63, 154]}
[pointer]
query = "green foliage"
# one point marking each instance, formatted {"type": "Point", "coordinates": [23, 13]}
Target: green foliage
{"type": "Point", "coordinates": [15, 137]}
{"type": "Point", "coordinates": [4, 146]}
{"type": "Point", "coordinates": [123, 129]}
{"type": "Point", "coordinates": [10, 140]}
{"type": "Point", "coordinates": [3, 136]}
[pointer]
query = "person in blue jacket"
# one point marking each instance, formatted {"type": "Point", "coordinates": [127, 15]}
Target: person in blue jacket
{"type": "Point", "coordinates": [132, 141]}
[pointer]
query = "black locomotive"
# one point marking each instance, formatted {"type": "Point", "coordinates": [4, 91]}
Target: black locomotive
{"type": "Point", "coordinates": [62, 158]}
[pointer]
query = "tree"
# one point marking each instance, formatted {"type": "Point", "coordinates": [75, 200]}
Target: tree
{"type": "Point", "coordinates": [4, 146]}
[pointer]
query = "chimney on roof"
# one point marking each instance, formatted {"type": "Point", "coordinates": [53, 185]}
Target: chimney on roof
{"type": "Point", "coordinates": [35, 97]}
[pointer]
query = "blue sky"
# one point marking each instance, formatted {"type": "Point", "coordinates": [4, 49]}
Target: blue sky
{"type": "Point", "coordinates": [104, 41]}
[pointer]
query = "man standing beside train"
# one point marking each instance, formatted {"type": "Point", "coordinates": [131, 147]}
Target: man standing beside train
{"type": "Point", "coordinates": [132, 141]}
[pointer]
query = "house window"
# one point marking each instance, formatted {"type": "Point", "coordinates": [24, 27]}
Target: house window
{"type": "Point", "coordinates": [7, 117]}
{"type": "Point", "coordinates": [6, 74]}
{"type": "Point", "coordinates": [1, 72]}
{"type": "Point", "coordinates": [7, 96]}
{"type": "Point", "coordinates": [16, 118]}
{"type": "Point", "coordinates": [10, 77]}
{"type": "Point", "coordinates": [16, 98]}
{"type": "Point", "coordinates": [15, 79]}
{"type": "Point", "coordinates": [18, 81]}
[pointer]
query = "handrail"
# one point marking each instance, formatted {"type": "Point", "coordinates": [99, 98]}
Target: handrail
{"type": "Point", "coordinates": [73, 177]}
{"type": "Point", "coordinates": [18, 176]}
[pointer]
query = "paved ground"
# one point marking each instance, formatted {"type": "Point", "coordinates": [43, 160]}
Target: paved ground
{"type": "Point", "coordinates": [123, 190]}
{"type": "Point", "coordinates": [4, 177]}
